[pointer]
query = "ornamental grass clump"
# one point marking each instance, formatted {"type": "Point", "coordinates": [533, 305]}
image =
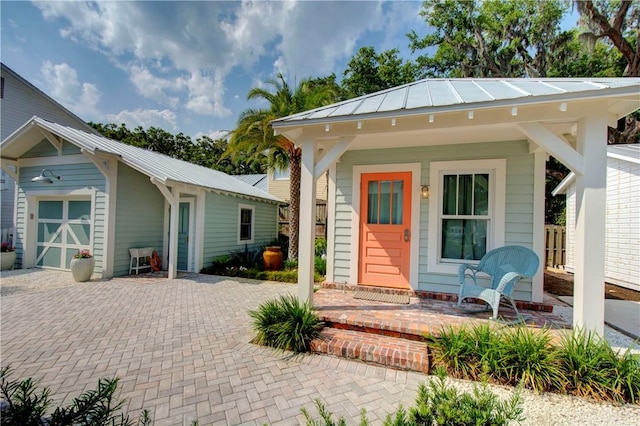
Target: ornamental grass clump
{"type": "Point", "coordinates": [286, 324]}
{"type": "Point", "coordinates": [466, 352]}
{"type": "Point", "coordinates": [528, 357]}
{"type": "Point", "coordinates": [593, 369]}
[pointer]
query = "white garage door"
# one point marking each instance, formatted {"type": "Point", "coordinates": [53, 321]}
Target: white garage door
{"type": "Point", "coordinates": [64, 227]}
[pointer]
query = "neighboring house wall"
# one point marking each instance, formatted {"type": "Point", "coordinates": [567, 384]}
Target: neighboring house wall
{"type": "Point", "coordinates": [221, 225]}
{"type": "Point", "coordinates": [21, 101]}
{"type": "Point", "coordinates": [280, 187]}
{"type": "Point", "coordinates": [622, 237]}
{"type": "Point", "coordinates": [518, 224]}
{"type": "Point", "coordinates": [139, 217]}
{"type": "Point", "coordinates": [80, 180]}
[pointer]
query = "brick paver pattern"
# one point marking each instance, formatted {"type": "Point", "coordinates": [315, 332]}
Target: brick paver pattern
{"type": "Point", "coordinates": [181, 349]}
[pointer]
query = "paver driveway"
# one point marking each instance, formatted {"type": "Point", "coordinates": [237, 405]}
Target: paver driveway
{"type": "Point", "coordinates": [181, 349]}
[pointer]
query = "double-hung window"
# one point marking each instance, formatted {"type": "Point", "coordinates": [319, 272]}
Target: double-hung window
{"type": "Point", "coordinates": [246, 220]}
{"type": "Point", "coordinates": [466, 211]}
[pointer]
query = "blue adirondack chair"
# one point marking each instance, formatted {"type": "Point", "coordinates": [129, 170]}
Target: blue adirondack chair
{"type": "Point", "coordinates": [505, 266]}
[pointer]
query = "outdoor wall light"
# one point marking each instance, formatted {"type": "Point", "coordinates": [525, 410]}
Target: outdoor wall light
{"type": "Point", "coordinates": [424, 191]}
{"type": "Point", "coordinates": [44, 179]}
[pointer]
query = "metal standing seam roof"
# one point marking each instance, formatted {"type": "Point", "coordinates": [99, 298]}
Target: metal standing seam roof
{"type": "Point", "coordinates": [449, 94]}
{"type": "Point", "coordinates": [159, 166]}
{"type": "Point", "coordinates": [257, 180]}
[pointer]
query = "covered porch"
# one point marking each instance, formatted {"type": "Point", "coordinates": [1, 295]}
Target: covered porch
{"type": "Point", "coordinates": [565, 118]}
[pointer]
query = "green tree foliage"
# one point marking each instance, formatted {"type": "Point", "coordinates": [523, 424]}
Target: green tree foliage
{"type": "Point", "coordinates": [618, 21]}
{"type": "Point", "coordinates": [492, 38]}
{"type": "Point", "coordinates": [254, 135]}
{"type": "Point", "coordinates": [368, 72]}
{"type": "Point", "coordinates": [205, 152]}
{"type": "Point", "coordinates": [577, 59]}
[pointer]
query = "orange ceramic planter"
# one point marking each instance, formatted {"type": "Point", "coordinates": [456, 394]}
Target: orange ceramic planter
{"type": "Point", "coordinates": [272, 257]}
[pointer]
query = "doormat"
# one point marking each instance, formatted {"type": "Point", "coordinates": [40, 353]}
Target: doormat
{"type": "Point", "coordinates": [401, 299]}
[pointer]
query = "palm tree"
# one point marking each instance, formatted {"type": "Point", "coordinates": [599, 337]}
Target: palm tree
{"type": "Point", "coordinates": [254, 134]}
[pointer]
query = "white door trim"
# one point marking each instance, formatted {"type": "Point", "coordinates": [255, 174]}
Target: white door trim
{"type": "Point", "coordinates": [415, 169]}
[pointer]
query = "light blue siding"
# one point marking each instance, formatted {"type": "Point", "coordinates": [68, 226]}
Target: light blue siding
{"type": "Point", "coordinates": [139, 217]}
{"type": "Point", "coordinates": [519, 201]}
{"type": "Point", "coordinates": [75, 177]}
{"type": "Point", "coordinates": [45, 149]}
{"type": "Point", "coordinates": [221, 225]}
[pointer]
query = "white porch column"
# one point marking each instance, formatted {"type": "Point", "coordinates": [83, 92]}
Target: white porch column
{"type": "Point", "coordinates": [172, 197]}
{"type": "Point", "coordinates": [172, 267]}
{"type": "Point", "coordinates": [307, 233]}
{"type": "Point", "coordinates": [588, 306]}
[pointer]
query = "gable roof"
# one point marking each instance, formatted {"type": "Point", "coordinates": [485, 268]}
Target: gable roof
{"type": "Point", "coordinates": [257, 180]}
{"type": "Point", "coordinates": [60, 111]}
{"type": "Point", "coordinates": [444, 95]}
{"type": "Point", "coordinates": [629, 153]}
{"type": "Point", "coordinates": [155, 165]}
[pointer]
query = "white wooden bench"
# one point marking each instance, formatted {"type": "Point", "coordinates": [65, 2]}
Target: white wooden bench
{"type": "Point", "coordinates": [140, 259]}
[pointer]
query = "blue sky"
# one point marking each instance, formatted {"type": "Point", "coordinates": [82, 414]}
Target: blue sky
{"type": "Point", "coordinates": [187, 66]}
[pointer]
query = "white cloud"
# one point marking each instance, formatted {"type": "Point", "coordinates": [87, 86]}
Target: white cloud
{"type": "Point", "coordinates": [183, 54]}
{"type": "Point", "coordinates": [213, 134]}
{"type": "Point", "coordinates": [152, 87]}
{"type": "Point", "coordinates": [63, 85]}
{"type": "Point", "coordinates": [146, 118]}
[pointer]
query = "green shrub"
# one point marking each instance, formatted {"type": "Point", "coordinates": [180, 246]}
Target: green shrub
{"type": "Point", "coordinates": [527, 356]}
{"type": "Point", "coordinates": [593, 369]}
{"type": "Point", "coordinates": [247, 258]}
{"type": "Point", "coordinates": [286, 324]}
{"type": "Point", "coordinates": [24, 405]}
{"type": "Point", "coordinates": [282, 276]}
{"type": "Point", "coordinates": [321, 246]}
{"type": "Point", "coordinates": [582, 364]}
{"type": "Point", "coordinates": [289, 265]}
{"type": "Point", "coordinates": [320, 266]}
{"type": "Point", "coordinates": [440, 404]}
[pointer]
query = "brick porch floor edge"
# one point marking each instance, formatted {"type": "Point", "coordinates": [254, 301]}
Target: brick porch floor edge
{"type": "Point", "coordinates": [393, 335]}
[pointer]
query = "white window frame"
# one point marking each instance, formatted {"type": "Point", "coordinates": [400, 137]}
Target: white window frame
{"type": "Point", "coordinates": [253, 223]}
{"type": "Point", "coordinates": [280, 174]}
{"type": "Point", "coordinates": [497, 170]}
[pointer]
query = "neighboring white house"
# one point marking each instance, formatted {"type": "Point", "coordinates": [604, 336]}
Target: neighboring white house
{"type": "Point", "coordinates": [21, 100]}
{"type": "Point", "coordinates": [434, 173]}
{"type": "Point", "coordinates": [108, 197]}
{"type": "Point", "coordinates": [622, 238]}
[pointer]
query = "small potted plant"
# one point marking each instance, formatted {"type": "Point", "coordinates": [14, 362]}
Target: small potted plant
{"type": "Point", "coordinates": [7, 256]}
{"type": "Point", "coordinates": [82, 266]}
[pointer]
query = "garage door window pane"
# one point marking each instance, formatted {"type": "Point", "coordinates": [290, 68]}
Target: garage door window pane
{"type": "Point", "coordinates": [50, 209]}
{"type": "Point", "coordinates": [46, 232]}
{"type": "Point", "coordinates": [51, 257]}
{"type": "Point", "coordinates": [70, 254]}
{"type": "Point", "coordinates": [79, 210]}
{"type": "Point", "coordinates": [79, 234]}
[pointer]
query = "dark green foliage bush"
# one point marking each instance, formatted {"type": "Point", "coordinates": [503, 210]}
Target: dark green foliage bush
{"type": "Point", "coordinates": [24, 405]}
{"type": "Point", "coordinates": [582, 364]}
{"type": "Point", "coordinates": [593, 369]}
{"type": "Point", "coordinates": [286, 324]}
{"type": "Point", "coordinates": [440, 404]}
{"type": "Point", "coordinates": [320, 266]}
{"type": "Point", "coordinates": [321, 246]}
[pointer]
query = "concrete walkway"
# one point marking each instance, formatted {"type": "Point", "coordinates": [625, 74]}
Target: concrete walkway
{"type": "Point", "coordinates": [181, 350]}
{"type": "Point", "coordinates": [622, 315]}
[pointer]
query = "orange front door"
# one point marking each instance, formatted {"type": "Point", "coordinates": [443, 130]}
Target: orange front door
{"type": "Point", "coordinates": [385, 229]}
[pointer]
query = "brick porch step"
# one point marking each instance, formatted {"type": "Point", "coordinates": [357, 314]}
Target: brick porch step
{"type": "Point", "coordinates": [393, 352]}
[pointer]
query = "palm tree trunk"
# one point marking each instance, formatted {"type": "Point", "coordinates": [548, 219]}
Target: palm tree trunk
{"type": "Point", "coordinates": [294, 204]}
